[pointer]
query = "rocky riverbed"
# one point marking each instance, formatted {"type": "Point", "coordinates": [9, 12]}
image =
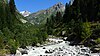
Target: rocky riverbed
{"type": "Point", "coordinates": [59, 48]}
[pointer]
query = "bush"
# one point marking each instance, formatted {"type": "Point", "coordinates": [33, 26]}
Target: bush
{"type": "Point", "coordinates": [97, 41]}
{"type": "Point", "coordinates": [13, 45]}
{"type": "Point", "coordinates": [3, 52]}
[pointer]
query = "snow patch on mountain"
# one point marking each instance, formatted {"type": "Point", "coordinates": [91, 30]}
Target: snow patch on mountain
{"type": "Point", "coordinates": [25, 13]}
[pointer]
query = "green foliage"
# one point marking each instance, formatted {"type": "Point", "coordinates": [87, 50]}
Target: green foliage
{"type": "Point", "coordinates": [3, 52]}
{"type": "Point", "coordinates": [13, 45]}
{"type": "Point", "coordinates": [14, 33]}
{"type": "Point", "coordinates": [98, 26]}
{"type": "Point", "coordinates": [77, 30]}
{"type": "Point", "coordinates": [1, 40]}
{"type": "Point", "coordinates": [96, 30]}
{"type": "Point", "coordinates": [97, 41]}
{"type": "Point", "coordinates": [86, 30]}
{"type": "Point", "coordinates": [53, 24]}
{"type": "Point", "coordinates": [7, 33]}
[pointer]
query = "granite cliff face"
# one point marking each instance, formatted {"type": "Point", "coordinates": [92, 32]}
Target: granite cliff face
{"type": "Point", "coordinates": [40, 17]}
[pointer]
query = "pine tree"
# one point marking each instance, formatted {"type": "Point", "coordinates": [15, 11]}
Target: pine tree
{"type": "Point", "coordinates": [67, 14]}
{"type": "Point", "coordinates": [12, 6]}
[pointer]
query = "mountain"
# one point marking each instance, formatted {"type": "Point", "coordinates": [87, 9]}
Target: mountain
{"type": "Point", "coordinates": [25, 13]}
{"type": "Point", "coordinates": [41, 16]}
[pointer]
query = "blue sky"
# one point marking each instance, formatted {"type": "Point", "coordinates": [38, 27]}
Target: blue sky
{"type": "Point", "coordinates": [36, 5]}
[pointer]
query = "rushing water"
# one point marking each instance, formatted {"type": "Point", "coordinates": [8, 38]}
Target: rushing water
{"type": "Point", "coordinates": [58, 49]}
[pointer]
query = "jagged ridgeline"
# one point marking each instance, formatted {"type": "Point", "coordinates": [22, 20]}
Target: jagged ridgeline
{"type": "Point", "coordinates": [40, 17]}
{"type": "Point", "coordinates": [13, 32]}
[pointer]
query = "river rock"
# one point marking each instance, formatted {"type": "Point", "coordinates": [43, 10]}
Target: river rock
{"type": "Point", "coordinates": [96, 49]}
{"type": "Point", "coordinates": [18, 53]}
{"type": "Point", "coordinates": [24, 52]}
{"type": "Point", "coordinates": [44, 48]}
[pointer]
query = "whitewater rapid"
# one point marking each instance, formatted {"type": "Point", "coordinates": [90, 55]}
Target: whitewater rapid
{"type": "Point", "coordinates": [59, 49]}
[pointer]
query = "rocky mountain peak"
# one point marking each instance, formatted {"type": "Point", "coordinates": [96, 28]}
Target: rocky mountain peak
{"type": "Point", "coordinates": [59, 6]}
{"type": "Point", "coordinates": [25, 13]}
{"type": "Point", "coordinates": [41, 16]}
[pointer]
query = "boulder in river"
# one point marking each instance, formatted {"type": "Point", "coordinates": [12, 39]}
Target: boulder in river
{"type": "Point", "coordinates": [96, 49]}
{"type": "Point", "coordinates": [24, 52]}
{"type": "Point", "coordinates": [22, 46]}
{"type": "Point", "coordinates": [49, 51]}
{"type": "Point", "coordinates": [38, 45]}
{"type": "Point", "coordinates": [18, 53]}
{"type": "Point", "coordinates": [44, 48]}
{"type": "Point", "coordinates": [65, 38]}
